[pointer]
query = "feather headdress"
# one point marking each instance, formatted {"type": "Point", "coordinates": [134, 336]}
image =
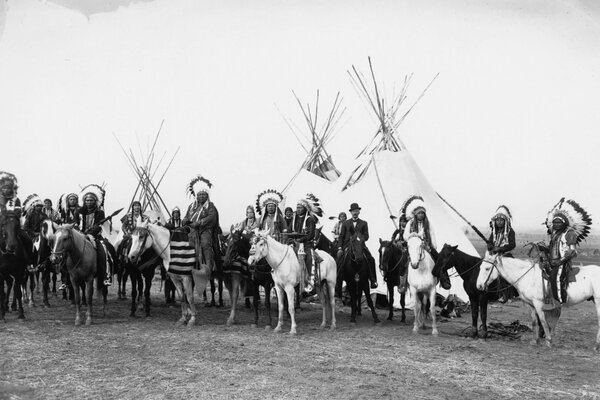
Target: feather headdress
{"type": "Point", "coordinates": [411, 206]}
{"type": "Point", "coordinates": [63, 201]}
{"type": "Point", "coordinates": [573, 215]}
{"type": "Point", "coordinates": [311, 203]}
{"type": "Point", "coordinates": [31, 201]}
{"type": "Point", "coordinates": [96, 191]}
{"type": "Point", "coordinates": [266, 197]}
{"type": "Point", "coordinates": [7, 176]}
{"type": "Point", "coordinates": [198, 184]}
{"type": "Point", "coordinates": [502, 212]}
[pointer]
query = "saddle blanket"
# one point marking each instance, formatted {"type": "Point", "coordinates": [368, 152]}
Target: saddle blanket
{"type": "Point", "coordinates": [183, 256]}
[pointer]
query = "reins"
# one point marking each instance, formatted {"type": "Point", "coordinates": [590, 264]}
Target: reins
{"type": "Point", "coordinates": [152, 260]}
{"type": "Point", "coordinates": [495, 266]}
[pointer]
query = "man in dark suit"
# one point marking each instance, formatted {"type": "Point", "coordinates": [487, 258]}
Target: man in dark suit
{"type": "Point", "coordinates": [361, 228]}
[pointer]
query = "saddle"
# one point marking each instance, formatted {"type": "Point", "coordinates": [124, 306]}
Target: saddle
{"type": "Point", "coordinates": [550, 275]}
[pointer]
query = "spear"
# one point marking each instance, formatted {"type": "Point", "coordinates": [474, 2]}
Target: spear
{"type": "Point", "coordinates": [477, 231]}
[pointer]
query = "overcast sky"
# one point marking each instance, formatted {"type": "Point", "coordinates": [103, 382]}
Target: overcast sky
{"type": "Point", "coordinates": [512, 118]}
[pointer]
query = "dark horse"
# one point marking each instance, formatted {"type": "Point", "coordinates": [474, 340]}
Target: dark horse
{"type": "Point", "coordinates": [79, 254]}
{"type": "Point", "coordinates": [467, 267]}
{"type": "Point", "coordinates": [141, 270]}
{"type": "Point", "coordinates": [356, 274]}
{"type": "Point", "coordinates": [392, 263]}
{"type": "Point", "coordinates": [239, 277]}
{"type": "Point", "coordinates": [13, 261]}
{"type": "Point", "coordinates": [43, 266]}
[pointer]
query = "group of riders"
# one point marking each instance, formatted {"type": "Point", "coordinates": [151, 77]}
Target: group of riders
{"type": "Point", "coordinates": [567, 225]}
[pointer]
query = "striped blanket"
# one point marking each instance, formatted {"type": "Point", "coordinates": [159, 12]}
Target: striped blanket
{"type": "Point", "coordinates": [183, 256]}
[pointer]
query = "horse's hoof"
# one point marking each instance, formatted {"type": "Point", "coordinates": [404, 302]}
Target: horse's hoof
{"type": "Point", "coordinates": [88, 322]}
{"type": "Point", "coordinates": [435, 332]}
{"type": "Point", "coordinates": [229, 322]}
{"type": "Point", "coordinates": [293, 332]}
{"type": "Point", "coordinates": [332, 328]}
{"type": "Point", "coordinates": [390, 318]}
{"type": "Point", "coordinates": [180, 322]}
{"type": "Point", "coordinates": [13, 308]}
{"type": "Point", "coordinates": [254, 326]}
{"type": "Point", "coordinates": [549, 344]}
{"type": "Point", "coordinates": [484, 335]}
{"type": "Point", "coordinates": [415, 330]}
{"type": "Point", "coordinates": [21, 317]}
{"type": "Point", "coordinates": [191, 322]}
{"type": "Point", "coordinates": [473, 334]}
{"type": "Point", "coordinates": [376, 320]}
{"type": "Point", "coordinates": [534, 342]}
{"type": "Point", "coordinates": [277, 329]}
{"type": "Point", "coordinates": [77, 322]}
{"type": "Point", "coordinates": [403, 319]}
{"type": "Point", "coordinates": [268, 328]}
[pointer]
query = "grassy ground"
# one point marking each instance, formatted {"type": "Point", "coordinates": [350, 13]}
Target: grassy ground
{"type": "Point", "coordinates": [46, 357]}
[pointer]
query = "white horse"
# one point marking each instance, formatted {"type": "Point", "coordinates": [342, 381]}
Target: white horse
{"type": "Point", "coordinates": [526, 277]}
{"type": "Point", "coordinates": [421, 281]}
{"type": "Point", "coordinates": [326, 288]}
{"type": "Point", "coordinates": [147, 235]}
{"type": "Point", "coordinates": [285, 271]}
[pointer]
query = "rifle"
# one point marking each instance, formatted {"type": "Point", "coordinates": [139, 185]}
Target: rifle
{"type": "Point", "coordinates": [103, 220]}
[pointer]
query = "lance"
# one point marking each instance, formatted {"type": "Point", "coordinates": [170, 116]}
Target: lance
{"type": "Point", "coordinates": [477, 231]}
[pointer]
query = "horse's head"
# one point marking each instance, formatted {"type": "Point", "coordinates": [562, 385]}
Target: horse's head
{"type": "Point", "coordinates": [237, 245]}
{"type": "Point", "coordinates": [488, 271]}
{"type": "Point", "coordinates": [259, 249]}
{"type": "Point", "coordinates": [9, 228]}
{"type": "Point", "coordinates": [416, 249]}
{"type": "Point", "coordinates": [444, 257]}
{"type": "Point", "coordinates": [48, 229]}
{"type": "Point", "coordinates": [63, 243]}
{"type": "Point", "coordinates": [356, 247]}
{"type": "Point", "coordinates": [141, 240]}
{"type": "Point", "coordinates": [389, 256]}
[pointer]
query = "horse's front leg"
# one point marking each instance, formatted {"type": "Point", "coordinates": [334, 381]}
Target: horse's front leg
{"type": "Point", "coordinates": [2, 304]}
{"type": "Point", "coordinates": [89, 290]}
{"type": "Point", "coordinates": [390, 288]}
{"type": "Point", "coordinates": [483, 305]}
{"type": "Point", "coordinates": [403, 306]}
{"type": "Point", "coordinates": [351, 285]}
{"type": "Point", "coordinates": [148, 285]}
{"type": "Point", "coordinates": [289, 290]}
{"type": "Point", "coordinates": [220, 287]}
{"type": "Point", "coordinates": [331, 286]}
{"type": "Point", "coordinates": [542, 318]}
{"type": "Point", "coordinates": [267, 287]}
{"type": "Point", "coordinates": [77, 303]}
{"type": "Point", "coordinates": [45, 285]}
{"type": "Point", "coordinates": [434, 329]}
{"type": "Point", "coordinates": [18, 293]}
{"type": "Point", "coordinates": [188, 287]}
{"type": "Point", "coordinates": [367, 292]}
{"type": "Point", "coordinates": [134, 294]}
{"type": "Point", "coordinates": [280, 295]}
{"type": "Point", "coordinates": [234, 294]}
{"type": "Point", "coordinates": [534, 325]}
{"type": "Point", "coordinates": [474, 299]}
{"type": "Point", "coordinates": [417, 308]}
{"type": "Point", "coordinates": [597, 303]}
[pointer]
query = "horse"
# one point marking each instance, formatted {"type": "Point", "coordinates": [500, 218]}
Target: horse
{"type": "Point", "coordinates": [42, 249]}
{"type": "Point", "coordinates": [285, 270]}
{"type": "Point", "coordinates": [82, 267]}
{"type": "Point", "coordinates": [467, 267]}
{"type": "Point", "coordinates": [356, 274]}
{"type": "Point", "coordinates": [421, 280]}
{"type": "Point", "coordinates": [13, 261]}
{"type": "Point", "coordinates": [526, 277]}
{"type": "Point", "coordinates": [392, 264]}
{"type": "Point", "coordinates": [141, 270]}
{"type": "Point", "coordinates": [239, 276]}
{"type": "Point", "coordinates": [180, 268]}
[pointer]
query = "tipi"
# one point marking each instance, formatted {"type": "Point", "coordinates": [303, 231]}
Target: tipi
{"type": "Point", "coordinates": [385, 175]}
{"type": "Point", "coordinates": [317, 173]}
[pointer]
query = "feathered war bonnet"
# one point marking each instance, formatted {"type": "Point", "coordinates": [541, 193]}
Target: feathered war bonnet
{"type": "Point", "coordinates": [95, 191]}
{"type": "Point", "coordinates": [504, 213]}
{"type": "Point", "coordinates": [31, 201]}
{"type": "Point", "coordinates": [63, 201]}
{"type": "Point", "coordinates": [198, 184]}
{"type": "Point", "coordinates": [411, 206]}
{"type": "Point", "coordinates": [311, 204]}
{"type": "Point", "coordinates": [572, 215]}
{"type": "Point", "coordinates": [269, 196]}
{"type": "Point", "coordinates": [8, 178]}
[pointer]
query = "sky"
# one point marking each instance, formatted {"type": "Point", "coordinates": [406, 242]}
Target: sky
{"type": "Point", "coordinates": [511, 119]}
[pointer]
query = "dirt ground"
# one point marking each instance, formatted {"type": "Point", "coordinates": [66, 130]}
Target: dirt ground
{"type": "Point", "coordinates": [46, 357]}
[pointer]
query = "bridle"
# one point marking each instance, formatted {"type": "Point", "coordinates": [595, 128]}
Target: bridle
{"type": "Point", "coordinates": [495, 265]}
{"type": "Point", "coordinates": [421, 249]}
{"type": "Point", "coordinates": [264, 240]}
{"type": "Point", "coordinates": [388, 271]}
{"type": "Point", "coordinates": [147, 234]}
{"type": "Point", "coordinates": [3, 250]}
{"type": "Point", "coordinates": [62, 253]}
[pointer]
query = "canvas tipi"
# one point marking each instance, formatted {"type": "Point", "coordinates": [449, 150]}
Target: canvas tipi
{"type": "Point", "coordinates": [385, 175]}
{"type": "Point", "coordinates": [317, 172]}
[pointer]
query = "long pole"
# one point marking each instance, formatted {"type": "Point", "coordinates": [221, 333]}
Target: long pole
{"type": "Point", "coordinates": [477, 231]}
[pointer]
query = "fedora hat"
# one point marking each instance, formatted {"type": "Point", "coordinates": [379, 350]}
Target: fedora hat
{"type": "Point", "coordinates": [354, 206]}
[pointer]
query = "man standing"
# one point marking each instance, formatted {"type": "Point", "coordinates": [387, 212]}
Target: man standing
{"type": "Point", "coordinates": [359, 227]}
{"type": "Point", "coordinates": [202, 218]}
{"type": "Point", "coordinates": [568, 224]}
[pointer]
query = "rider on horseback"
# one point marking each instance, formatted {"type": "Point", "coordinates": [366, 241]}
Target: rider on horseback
{"type": "Point", "coordinates": [32, 207]}
{"type": "Point", "coordinates": [202, 218]}
{"type": "Point", "coordinates": [361, 228]}
{"type": "Point", "coordinates": [419, 223]}
{"type": "Point", "coordinates": [568, 224]}
{"type": "Point", "coordinates": [49, 212]}
{"type": "Point", "coordinates": [8, 193]}
{"type": "Point", "coordinates": [271, 220]}
{"type": "Point", "coordinates": [502, 241]}
{"type": "Point", "coordinates": [69, 209]}
{"type": "Point", "coordinates": [129, 220]}
{"type": "Point", "coordinates": [250, 223]}
{"type": "Point", "coordinates": [304, 224]}
{"type": "Point", "coordinates": [91, 215]}
{"type": "Point", "coordinates": [175, 221]}
{"type": "Point", "coordinates": [398, 241]}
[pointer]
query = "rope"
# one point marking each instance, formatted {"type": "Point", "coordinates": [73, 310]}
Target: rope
{"type": "Point", "coordinates": [387, 204]}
